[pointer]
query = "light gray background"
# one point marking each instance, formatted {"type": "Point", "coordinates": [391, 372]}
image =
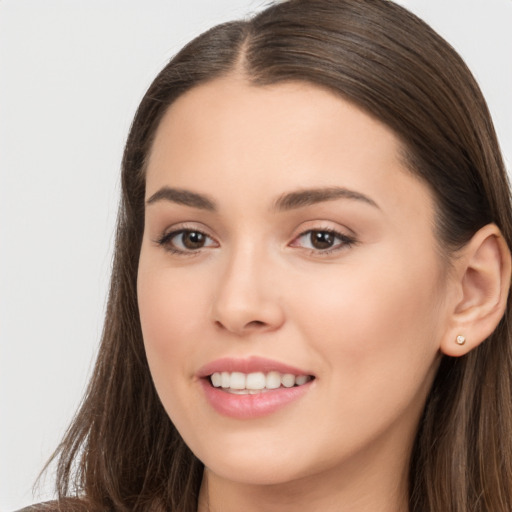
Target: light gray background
{"type": "Point", "coordinates": [71, 75]}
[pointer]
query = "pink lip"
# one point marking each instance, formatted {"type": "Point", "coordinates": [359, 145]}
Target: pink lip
{"type": "Point", "coordinates": [250, 406]}
{"type": "Point", "coordinates": [248, 365]}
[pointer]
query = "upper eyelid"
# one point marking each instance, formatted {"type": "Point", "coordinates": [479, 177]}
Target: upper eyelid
{"type": "Point", "coordinates": [185, 226]}
{"type": "Point", "coordinates": [335, 232]}
{"type": "Point", "coordinates": [177, 231]}
{"type": "Point", "coordinates": [324, 225]}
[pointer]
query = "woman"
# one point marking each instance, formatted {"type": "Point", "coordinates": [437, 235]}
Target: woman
{"type": "Point", "coordinates": [308, 306]}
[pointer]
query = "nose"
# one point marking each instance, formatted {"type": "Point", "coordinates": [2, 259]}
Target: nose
{"type": "Point", "coordinates": [247, 299]}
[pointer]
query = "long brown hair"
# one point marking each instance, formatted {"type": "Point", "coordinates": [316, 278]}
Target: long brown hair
{"type": "Point", "coordinates": [122, 451]}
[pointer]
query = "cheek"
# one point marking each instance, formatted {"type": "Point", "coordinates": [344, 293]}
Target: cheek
{"type": "Point", "coordinates": [375, 335]}
{"type": "Point", "coordinates": [379, 324]}
{"type": "Point", "coordinates": [171, 314]}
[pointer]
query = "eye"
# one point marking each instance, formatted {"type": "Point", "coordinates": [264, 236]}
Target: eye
{"type": "Point", "coordinates": [186, 241]}
{"type": "Point", "coordinates": [322, 240]}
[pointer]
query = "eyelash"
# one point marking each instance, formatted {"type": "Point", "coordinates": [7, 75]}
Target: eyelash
{"type": "Point", "coordinates": [344, 241]}
{"type": "Point", "coordinates": [165, 241]}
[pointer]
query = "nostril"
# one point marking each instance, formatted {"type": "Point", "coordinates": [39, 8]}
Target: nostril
{"type": "Point", "coordinates": [247, 327]}
{"type": "Point", "coordinates": [256, 323]}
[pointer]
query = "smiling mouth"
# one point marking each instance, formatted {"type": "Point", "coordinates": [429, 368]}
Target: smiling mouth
{"type": "Point", "coordinates": [257, 382]}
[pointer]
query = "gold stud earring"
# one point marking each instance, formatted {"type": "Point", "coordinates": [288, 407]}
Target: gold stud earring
{"type": "Point", "coordinates": [460, 340]}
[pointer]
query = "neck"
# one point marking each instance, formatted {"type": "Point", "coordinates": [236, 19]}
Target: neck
{"type": "Point", "coordinates": [362, 486]}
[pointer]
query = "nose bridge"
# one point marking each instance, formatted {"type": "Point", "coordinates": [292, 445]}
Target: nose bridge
{"type": "Point", "coordinates": [245, 299]}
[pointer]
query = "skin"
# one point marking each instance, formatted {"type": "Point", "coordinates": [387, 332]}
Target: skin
{"type": "Point", "coordinates": [367, 319]}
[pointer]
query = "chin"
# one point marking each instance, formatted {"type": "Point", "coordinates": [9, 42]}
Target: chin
{"type": "Point", "coordinates": [271, 460]}
{"type": "Point", "coordinates": [255, 473]}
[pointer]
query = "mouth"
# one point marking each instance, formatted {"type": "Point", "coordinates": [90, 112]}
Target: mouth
{"type": "Point", "coordinates": [253, 387]}
{"type": "Point", "coordinates": [254, 383]}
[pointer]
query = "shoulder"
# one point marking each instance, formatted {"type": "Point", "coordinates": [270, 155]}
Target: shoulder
{"type": "Point", "coordinates": [65, 505]}
{"type": "Point", "coordinates": [47, 507]}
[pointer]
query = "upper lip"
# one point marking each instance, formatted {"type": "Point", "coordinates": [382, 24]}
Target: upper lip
{"type": "Point", "coordinates": [247, 365]}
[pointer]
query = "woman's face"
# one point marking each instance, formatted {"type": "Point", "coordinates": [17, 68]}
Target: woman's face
{"type": "Point", "coordinates": [286, 244]}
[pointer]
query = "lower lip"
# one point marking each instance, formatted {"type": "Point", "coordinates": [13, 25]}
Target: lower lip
{"type": "Point", "coordinates": [251, 406]}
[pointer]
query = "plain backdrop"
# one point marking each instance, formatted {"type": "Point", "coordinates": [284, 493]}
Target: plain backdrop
{"type": "Point", "coordinates": [71, 75]}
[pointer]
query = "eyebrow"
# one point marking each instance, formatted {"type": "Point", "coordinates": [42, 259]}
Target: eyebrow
{"type": "Point", "coordinates": [308, 197]}
{"type": "Point", "coordinates": [185, 197]}
{"type": "Point", "coordinates": [286, 202]}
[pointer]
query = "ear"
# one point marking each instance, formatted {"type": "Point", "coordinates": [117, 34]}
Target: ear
{"type": "Point", "coordinates": [482, 281]}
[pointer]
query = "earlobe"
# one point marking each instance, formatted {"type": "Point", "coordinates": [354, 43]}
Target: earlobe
{"type": "Point", "coordinates": [483, 272]}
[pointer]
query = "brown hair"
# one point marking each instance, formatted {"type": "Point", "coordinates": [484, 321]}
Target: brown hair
{"type": "Point", "coordinates": [122, 451]}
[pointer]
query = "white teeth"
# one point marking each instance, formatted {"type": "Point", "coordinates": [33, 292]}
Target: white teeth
{"type": "Point", "coordinates": [237, 380]}
{"type": "Point", "coordinates": [273, 380]}
{"type": "Point", "coordinates": [251, 383]}
{"type": "Point", "coordinates": [301, 379]}
{"type": "Point", "coordinates": [217, 380]}
{"type": "Point", "coordinates": [255, 381]}
{"type": "Point", "coordinates": [288, 380]}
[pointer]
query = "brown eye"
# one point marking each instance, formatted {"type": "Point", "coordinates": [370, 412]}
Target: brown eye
{"type": "Point", "coordinates": [186, 241]}
{"type": "Point", "coordinates": [322, 239]}
{"type": "Point", "coordinates": [193, 239]}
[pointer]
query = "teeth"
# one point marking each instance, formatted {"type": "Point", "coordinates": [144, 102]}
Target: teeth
{"type": "Point", "coordinates": [251, 383]}
{"type": "Point", "coordinates": [301, 379]}
{"type": "Point", "coordinates": [237, 380]}
{"type": "Point", "coordinates": [288, 380]}
{"type": "Point", "coordinates": [273, 380]}
{"type": "Point", "coordinates": [217, 380]}
{"type": "Point", "coordinates": [255, 381]}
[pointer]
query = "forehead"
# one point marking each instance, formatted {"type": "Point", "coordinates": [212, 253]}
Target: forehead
{"type": "Point", "coordinates": [231, 137]}
{"type": "Point", "coordinates": [225, 111]}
